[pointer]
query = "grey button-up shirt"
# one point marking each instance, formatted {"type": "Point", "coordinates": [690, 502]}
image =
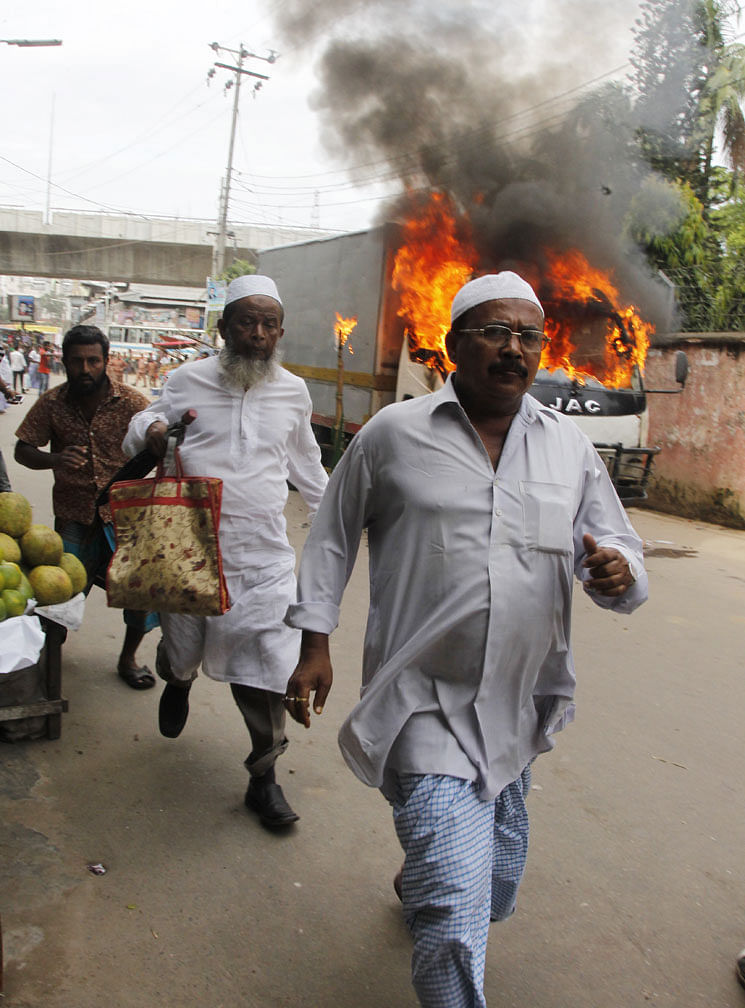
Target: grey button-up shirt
{"type": "Point", "coordinates": [471, 576]}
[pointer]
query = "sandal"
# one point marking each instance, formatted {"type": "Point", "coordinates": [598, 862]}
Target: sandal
{"type": "Point", "coordinates": [138, 678]}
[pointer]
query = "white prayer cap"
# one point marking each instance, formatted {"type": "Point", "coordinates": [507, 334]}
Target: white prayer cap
{"type": "Point", "coordinates": [492, 287]}
{"type": "Point", "coordinates": [247, 286]}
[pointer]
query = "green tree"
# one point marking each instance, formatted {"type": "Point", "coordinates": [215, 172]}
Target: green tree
{"type": "Point", "coordinates": [689, 86]}
{"type": "Point", "coordinates": [667, 81]}
{"type": "Point", "coordinates": [239, 267]}
{"type": "Point", "coordinates": [667, 220]}
{"type": "Point", "coordinates": [719, 107]}
{"type": "Point", "coordinates": [728, 309]}
{"type": "Point", "coordinates": [689, 81]}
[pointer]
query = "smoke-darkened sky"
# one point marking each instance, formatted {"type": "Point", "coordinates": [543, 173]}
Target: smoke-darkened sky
{"type": "Point", "coordinates": [518, 114]}
{"type": "Point", "coordinates": [366, 97]}
{"type": "Point", "coordinates": [122, 115]}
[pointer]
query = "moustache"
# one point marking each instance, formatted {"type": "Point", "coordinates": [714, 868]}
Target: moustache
{"type": "Point", "coordinates": [516, 368]}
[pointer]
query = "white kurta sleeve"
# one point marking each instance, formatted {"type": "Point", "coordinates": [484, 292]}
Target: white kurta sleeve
{"type": "Point", "coordinates": [162, 409]}
{"type": "Point", "coordinates": [331, 547]}
{"type": "Point", "coordinates": [304, 462]}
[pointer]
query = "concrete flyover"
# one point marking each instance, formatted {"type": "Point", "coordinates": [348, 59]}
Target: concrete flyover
{"type": "Point", "coordinates": [118, 247]}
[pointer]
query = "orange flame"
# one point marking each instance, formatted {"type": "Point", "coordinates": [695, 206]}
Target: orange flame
{"type": "Point", "coordinates": [343, 330]}
{"type": "Point", "coordinates": [430, 266]}
{"type": "Point", "coordinates": [592, 332]}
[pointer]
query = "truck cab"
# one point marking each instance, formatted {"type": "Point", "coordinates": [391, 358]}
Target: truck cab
{"type": "Point", "coordinates": [615, 419]}
{"type": "Point", "coordinates": [592, 367]}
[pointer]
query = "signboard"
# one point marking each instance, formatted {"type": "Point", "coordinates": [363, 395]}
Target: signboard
{"type": "Point", "coordinates": [215, 295]}
{"type": "Point", "coordinates": [21, 307]}
{"type": "Point", "coordinates": [193, 318]}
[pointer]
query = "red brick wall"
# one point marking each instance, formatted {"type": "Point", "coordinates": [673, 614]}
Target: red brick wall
{"type": "Point", "coordinates": [700, 472]}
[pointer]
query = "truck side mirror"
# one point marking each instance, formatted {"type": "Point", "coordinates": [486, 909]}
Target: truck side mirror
{"type": "Point", "coordinates": [681, 367]}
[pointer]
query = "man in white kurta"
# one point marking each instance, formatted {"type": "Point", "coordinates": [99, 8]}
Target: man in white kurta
{"type": "Point", "coordinates": [481, 505]}
{"type": "Point", "coordinates": [18, 366]}
{"type": "Point", "coordinates": [252, 430]}
{"type": "Point", "coordinates": [6, 394]}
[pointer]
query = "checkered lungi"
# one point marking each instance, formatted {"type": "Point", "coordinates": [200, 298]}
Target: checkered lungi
{"type": "Point", "coordinates": [464, 861]}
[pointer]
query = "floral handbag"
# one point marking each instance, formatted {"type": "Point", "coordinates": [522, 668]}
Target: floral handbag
{"type": "Point", "coordinates": [167, 556]}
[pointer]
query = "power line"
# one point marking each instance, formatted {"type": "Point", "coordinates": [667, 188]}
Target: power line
{"type": "Point", "coordinates": [388, 165]}
{"type": "Point", "coordinates": [380, 171]}
{"type": "Point", "coordinates": [69, 173]}
{"type": "Point", "coordinates": [240, 72]}
{"type": "Point", "coordinates": [155, 157]}
{"type": "Point", "coordinates": [68, 192]}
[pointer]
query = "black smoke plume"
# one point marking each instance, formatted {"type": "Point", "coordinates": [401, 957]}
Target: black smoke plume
{"type": "Point", "coordinates": [508, 108]}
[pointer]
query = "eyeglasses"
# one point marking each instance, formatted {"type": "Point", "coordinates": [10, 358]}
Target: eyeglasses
{"type": "Point", "coordinates": [531, 340]}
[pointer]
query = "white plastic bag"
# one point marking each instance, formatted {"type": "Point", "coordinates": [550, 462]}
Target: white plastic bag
{"type": "Point", "coordinates": [23, 639]}
{"type": "Point", "coordinates": [68, 614]}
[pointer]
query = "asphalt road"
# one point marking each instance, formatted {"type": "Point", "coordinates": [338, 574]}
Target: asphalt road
{"type": "Point", "coordinates": [635, 888]}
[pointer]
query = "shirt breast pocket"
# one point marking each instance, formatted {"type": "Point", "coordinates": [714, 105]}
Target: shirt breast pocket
{"type": "Point", "coordinates": [547, 516]}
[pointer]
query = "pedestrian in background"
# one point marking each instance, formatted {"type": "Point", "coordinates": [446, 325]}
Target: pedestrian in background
{"type": "Point", "coordinates": [33, 367]}
{"type": "Point", "coordinates": [82, 420]}
{"type": "Point", "coordinates": [153, 371]}
{"type": "Point", "coordinates": [115, 367]}
{"type": "Point", "coordinates": [44, 369]}
{"type": "Point", "coordinates": [6, 396]}
{"type": "Point", "coordinates": [18, 367]}
{"type": "Point", "coordinates": [141, 378]}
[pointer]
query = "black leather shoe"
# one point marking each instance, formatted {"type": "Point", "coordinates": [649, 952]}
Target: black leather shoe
{"type": "Point", "coordinates": [173, 710]}
{"type": "Point", "coordinates": [264, 796]}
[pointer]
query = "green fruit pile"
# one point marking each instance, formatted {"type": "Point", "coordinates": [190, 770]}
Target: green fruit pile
{"type": "Point", "coordinates": [33, 563]}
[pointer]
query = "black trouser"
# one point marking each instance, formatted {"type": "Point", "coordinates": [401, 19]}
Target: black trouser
{"type": "Point", "coordinates": [263, 710]}
{"type": "Point", "coordinates": [264, 714]}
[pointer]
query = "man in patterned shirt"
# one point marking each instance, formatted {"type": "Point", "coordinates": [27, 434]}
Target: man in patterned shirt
{"type": "Point", "coordinates": [82, 420]}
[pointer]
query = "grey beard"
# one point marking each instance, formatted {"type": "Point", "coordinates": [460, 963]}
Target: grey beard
{"type": "Point", "coordinates": [243, 373]}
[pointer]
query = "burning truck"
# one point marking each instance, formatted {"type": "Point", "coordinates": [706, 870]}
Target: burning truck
{"type": "Point", "coordinates": [367, 314]}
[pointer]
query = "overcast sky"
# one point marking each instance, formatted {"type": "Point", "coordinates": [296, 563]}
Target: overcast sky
{"type": "Point", "coordinates": [137, 129]}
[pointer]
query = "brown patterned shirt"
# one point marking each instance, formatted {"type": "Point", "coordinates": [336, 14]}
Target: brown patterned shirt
{"type": "Point", "coordinates": [56, 419]}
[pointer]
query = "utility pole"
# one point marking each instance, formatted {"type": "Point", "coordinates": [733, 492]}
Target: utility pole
{"type": "Point", "coordinates": [32, 44]}
{"type": "Point", "coordinates": [48, 215]}
{"type": "Point", "coordinates": [218, 262]}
